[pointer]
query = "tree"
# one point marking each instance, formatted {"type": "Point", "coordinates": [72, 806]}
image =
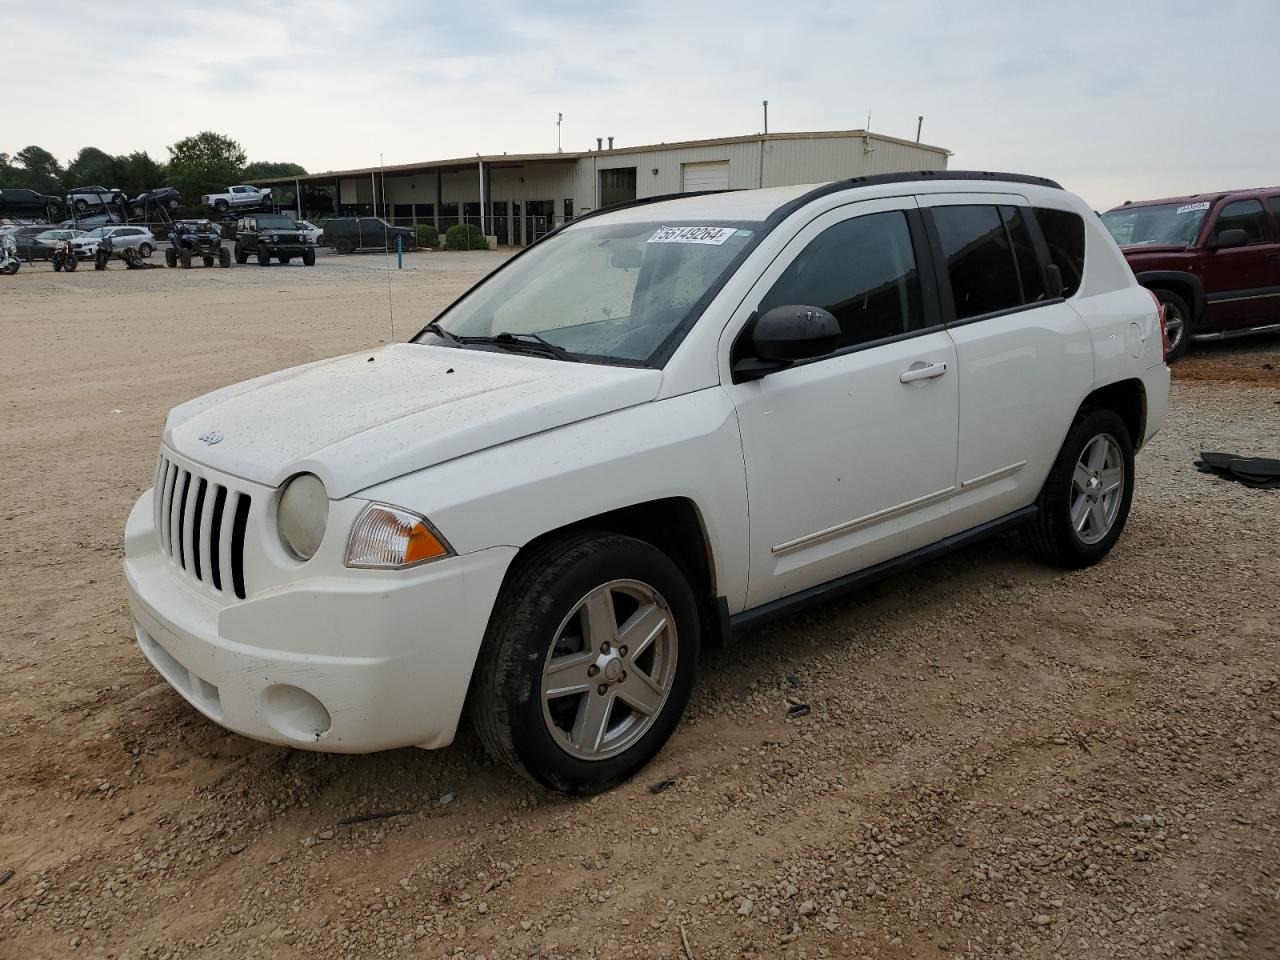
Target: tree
{"type": "Point", "coordinates": [138, 172]}
{"type": "Point", "coordinates": [264, 170]}
{"type": "Point", "coordinates": [92, 167]}
{"type": "Point", "coordinates": [37, 169]}
{"type": "Point", "coordinates": [204, 163]}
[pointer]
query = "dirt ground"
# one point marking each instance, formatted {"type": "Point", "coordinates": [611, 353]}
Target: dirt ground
{"type": "Point", "coordinates": [999, 760]}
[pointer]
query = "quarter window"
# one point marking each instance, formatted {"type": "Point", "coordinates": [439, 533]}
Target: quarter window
{"type": "Point", "coordinates": [1064, 234]}
{"type": "Point", "coordinates": [990, 259]}
{"type": "Point", "coordinates": [1274, 203]}
{"type": "Point", "coordinates": [864, 272]}
{"type": "Point", "coordinates": [1243, 215]}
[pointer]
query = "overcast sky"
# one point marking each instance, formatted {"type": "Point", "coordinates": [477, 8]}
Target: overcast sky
{"type": "Point", "coordinates": [1118, 100]}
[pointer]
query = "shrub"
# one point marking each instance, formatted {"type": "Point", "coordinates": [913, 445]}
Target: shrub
{"type": "Point", "coordinates": [465, 237]}
{"type": "Point", "coordinates": [428, 236]}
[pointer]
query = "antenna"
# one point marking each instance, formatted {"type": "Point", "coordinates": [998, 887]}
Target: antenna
{"type": "Point", "coordinates": [386, 244]}
{"type": "Point", "coordinates": [559, 120]}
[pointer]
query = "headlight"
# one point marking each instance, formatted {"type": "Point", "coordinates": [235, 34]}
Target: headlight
{"type": "Point", "coordinates": [387, 538]}
{"type": "Point", "coordinates": [274, 238]}
{"type": "Point", "coordinates": [302, 515]}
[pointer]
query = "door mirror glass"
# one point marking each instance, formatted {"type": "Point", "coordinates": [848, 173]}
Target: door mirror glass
{"type": "Point", "coordinates": [1230, 238]}
{"type": "Point", "coordinates": [795, 332]}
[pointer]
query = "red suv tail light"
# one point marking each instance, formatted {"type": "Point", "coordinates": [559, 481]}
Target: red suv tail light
{"type": "Point", "coordinates": [1164, 331]}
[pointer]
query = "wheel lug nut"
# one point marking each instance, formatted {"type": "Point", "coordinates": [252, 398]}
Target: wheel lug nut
{"type": "Point", "coordinates": [622, 676]}
{"type": "Point", "coordinates": [602, 689]}
{"type": "Point", "coordinates": [604, 648]}
{"type": "Point", "coordinates": [592, 670]}
{"type": "Point", "coordinates": [622, 651]}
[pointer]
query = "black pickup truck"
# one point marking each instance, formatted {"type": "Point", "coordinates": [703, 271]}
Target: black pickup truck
{"type": "Point", "coordinates": [273, 235]}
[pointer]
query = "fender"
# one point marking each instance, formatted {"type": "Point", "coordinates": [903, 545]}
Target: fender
{"type": "Point", "coordinates": [1156, 278]}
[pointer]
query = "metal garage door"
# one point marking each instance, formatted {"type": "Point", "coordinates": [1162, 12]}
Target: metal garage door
{"type": "Point", "coordinates": [705, 176]}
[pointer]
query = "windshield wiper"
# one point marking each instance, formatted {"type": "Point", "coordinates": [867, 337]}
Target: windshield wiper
{"type": "Point", "coordinates": [439, 331]}
{"type": "Point", "coordinates": [524, 341]}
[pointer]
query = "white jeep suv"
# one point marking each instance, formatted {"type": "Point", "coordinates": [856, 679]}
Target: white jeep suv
{"type": "Point", "coordinates": [660, 425]}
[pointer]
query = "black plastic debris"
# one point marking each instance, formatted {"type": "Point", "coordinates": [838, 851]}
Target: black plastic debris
{"type": "Point", "coordinates": [797, 710]}
{"type": "Point", "coordinates": [1259, 472]}
{"type": "Point", "coordinates": [663, 784]}
{"type": "Point", "coordinates": [366, 817]}
{"type": "Point", "coordinates": [5, 877]}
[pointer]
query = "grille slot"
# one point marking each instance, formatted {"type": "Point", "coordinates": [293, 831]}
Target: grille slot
{"type": "Point", "coordinates": [201, 524]}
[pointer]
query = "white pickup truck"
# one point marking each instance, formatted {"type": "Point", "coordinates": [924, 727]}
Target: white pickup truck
{"type": "Point", "coordinates": [659, 426]}
{"type": "Point", "coordinates": [243, 197]}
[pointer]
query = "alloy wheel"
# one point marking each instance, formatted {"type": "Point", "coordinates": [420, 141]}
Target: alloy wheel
{"type": "Point", "coordinates": [1097, 488]}
{"type": "Point", "coordinates": [610, 670]}
{"type": "Point", "coordinates": [1175, 325]}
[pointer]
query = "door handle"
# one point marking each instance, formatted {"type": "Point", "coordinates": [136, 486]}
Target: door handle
{"type": "Point", "coordinates": [922, 371]}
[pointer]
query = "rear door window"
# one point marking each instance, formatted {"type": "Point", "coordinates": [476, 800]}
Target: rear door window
{"type": "Point", "coordinates": [979, 259]}
{"type": "Point", "coordinates": [1243, 215]}
{"type": "Point", "coordinates": [1064, 235]}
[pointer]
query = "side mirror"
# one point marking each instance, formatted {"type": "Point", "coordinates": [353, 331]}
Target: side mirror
{"type": "Point", "coordinates": [1230, 238]}
{"type": "Point", "coordinates": [785, 334]}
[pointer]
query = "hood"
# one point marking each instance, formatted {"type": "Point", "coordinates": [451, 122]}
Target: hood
{"type": "Point", "coordinates": [369, 417]}
{"type": "Point", "coordinates": [1142, 249]}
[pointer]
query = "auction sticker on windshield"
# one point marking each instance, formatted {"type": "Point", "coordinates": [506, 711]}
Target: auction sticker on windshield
{"type": "Point", "coordinates": [712, 235]}
{"type": "Point", "coordinates": [1189, 207]}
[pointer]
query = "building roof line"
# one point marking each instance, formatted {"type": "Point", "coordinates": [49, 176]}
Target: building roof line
{"type": "Point", "coordinates": [504, 159]}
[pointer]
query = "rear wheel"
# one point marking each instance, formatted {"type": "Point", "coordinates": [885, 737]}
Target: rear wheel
{"type": "Point", "coordinates": [220, 206]}
{"type": "Point", "coordinates": [242, 256]}
{"type": "Point", "coordinates": [309, 257]}
{"type": "Point", "coordinates": [342, 246]}
{"type": "Point", "coordinates": [170, 258]}
{"type": "Point", "coordinates": [185, 257]}
{"type": "Point", "coordinates": [145, 250]}
{"type": "Point", "coordinates": [57, 264]}
{"type": "Point", "coordinates": [264, 258]}
{"type": "Point", "coordinates": [1177, 323]}
{"type": "Point", "coordinates": [81, 206]}
{"type": "Point", "coordinates": [224, 257]}
{"type": "Point", "coordinates": [587, 663]}
{"type": "Point", "coordinates": [1085, 500]}
{"type": "Point", "coordinates": [70, 263]}
{"type": "Point", "coordinates": [10, 268]}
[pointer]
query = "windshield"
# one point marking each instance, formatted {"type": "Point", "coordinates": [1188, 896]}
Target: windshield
{"type": "Point", "coordinates": [272, 221]}
{"type": "Point", "coordinates": [609, 291]}
{"type": "Point", "coordinates": [1177, 224]}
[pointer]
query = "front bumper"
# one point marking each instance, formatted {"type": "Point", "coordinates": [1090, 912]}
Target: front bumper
{"type": "Point", "coordinates": [283, 249]}
{"type": "Point", "coordinates": [349, 662]}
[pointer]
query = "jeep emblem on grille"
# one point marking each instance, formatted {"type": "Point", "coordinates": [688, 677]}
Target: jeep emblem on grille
{"type": "Point", "coordinates": [212, 437]}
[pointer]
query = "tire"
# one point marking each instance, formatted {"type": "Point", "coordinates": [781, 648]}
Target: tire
{"type": "Point", "coordinates": [537, 611]}
{"type": "Point", "coordinates": [9, 269]}
{"type": "Point", "coordinates": [264, 259]}
{"type": "Point", "coordinates": [283, 259]}
{"type": "Point", "coordinates": [81, 206]}
{"type": "Point", "coordinates": [208, 261]}
{"type": "Point", "coordinates": [1054, 534]}
{"type": "Point", "coordinates": [170, 257]}
{"type": "Point", "coordinates": [71, 263]}
{"type": "Point", "coordinates": [224, 257]}
{"type": "Point", "coordinates": [145, 250]}
{"type": "Point", "coordinates": [342, 246]}
{"type": "Point", "coordinates": [241, 255]}
{"type": "Point", "coordinates": [1177, 316]}
{"type": "Point", "coordinates": [309, 257]}
{"type": "Point", "coordinates": [221, 206]}
{"type": "Point", "coordinates": [51, 213]}
{"type": "Point", "coordinates": [57, 266]}
{"type": "Point", "coordinates": [185, 256]}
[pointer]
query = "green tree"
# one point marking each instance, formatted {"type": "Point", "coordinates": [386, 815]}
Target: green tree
{"type": "Point", "coordinates": [265, 170]}
{"type": "Point", "coordinates": [92, 167]}
{"type": "Point", "coordinates": [204, 163]}
{"type": "Point", "coordinates": [37, 169]}
{"type": "Point", "coordinates": [137, 172]}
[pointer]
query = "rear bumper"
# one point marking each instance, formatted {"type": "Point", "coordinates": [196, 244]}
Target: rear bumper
{"type": "Point", "coordinates": [349, 664]}
{"type": "Point", "coordinates": [1155, 384]}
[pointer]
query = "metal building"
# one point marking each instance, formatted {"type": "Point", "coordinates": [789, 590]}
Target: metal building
{"type": "Point", "coordinates": [517, 198]}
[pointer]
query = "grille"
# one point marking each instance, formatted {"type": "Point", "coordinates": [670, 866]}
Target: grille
{"type": "Point", "coordinates": [201, 526]}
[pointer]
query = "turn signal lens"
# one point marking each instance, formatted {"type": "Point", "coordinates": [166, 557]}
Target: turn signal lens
{"type": "Point", "coordinates": [388, 538]}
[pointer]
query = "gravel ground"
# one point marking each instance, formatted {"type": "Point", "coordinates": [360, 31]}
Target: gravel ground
{"type": "Point", "coordinates": [999, 760]}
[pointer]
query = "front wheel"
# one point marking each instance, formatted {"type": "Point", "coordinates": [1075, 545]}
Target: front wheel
{"type": "Point", "coordinates": [170, 258]}
{"type": "Point", "coordinates": [224, 257]}
{"type": "Point", "coordinates": [587, 663]}
{"type": "Point", "coordinates": [10, 268]}
{"type": "Point", "coordinates": [242, 255]}
{"type": "Point", "coordinates": [145, 250]}
{"type": "Point", "coordinates": [309, 257]}
{"type": "Point", "coordinates": [1177, 323]}
{"type": "Point", "coordinates": [283, 259]}
{"type": "Point", "coordinates": [1085, 501]}
{"type": "Point", "coordinates": [185, 257]}
{"type": "Point", "coordinates": [221, 206]}
{"type": "Point", "coordinates": [264, 258]}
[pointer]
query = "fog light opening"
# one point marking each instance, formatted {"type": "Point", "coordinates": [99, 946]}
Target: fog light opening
{"type": "Point", "coordinates": [296, 713]}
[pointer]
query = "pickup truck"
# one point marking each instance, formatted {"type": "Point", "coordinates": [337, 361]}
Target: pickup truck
{"type": "Point", "coordinates": [242, 197]}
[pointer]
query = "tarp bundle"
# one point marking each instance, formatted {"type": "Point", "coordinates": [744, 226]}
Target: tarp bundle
{"type": "Point", "coordinates": [1259, 472]}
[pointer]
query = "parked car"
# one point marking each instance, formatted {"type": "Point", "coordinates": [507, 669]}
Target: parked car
{"type": "Point", "coordinates": [83, 199]}
{"type": "Point", "coordinates": [51, 238]}
{"type": "Point", "coordinates": [354, 234]}
{"type": "Point", "coordinates": [314, 233]}
{"type": "Point", "coordinates": [243, 197]}
{"type": "Point", "coordinates": [139, 238]}
{"type": "Point", "coordinates": [267, 235]}
{"type": "Point", "coordinates": [166, 198]}
{"type": "Point", "coordinates": [17, 202]}
{"type": "Point", "coordinates": [666, 423]}
{"type": "Point", "coordinates": [27, 244]}
{"type": "Point", "coordinates": [1213, 260]}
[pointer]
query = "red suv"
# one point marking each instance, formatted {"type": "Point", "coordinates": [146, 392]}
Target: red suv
{"type": "Point", "coordinates": [1213, 260]}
